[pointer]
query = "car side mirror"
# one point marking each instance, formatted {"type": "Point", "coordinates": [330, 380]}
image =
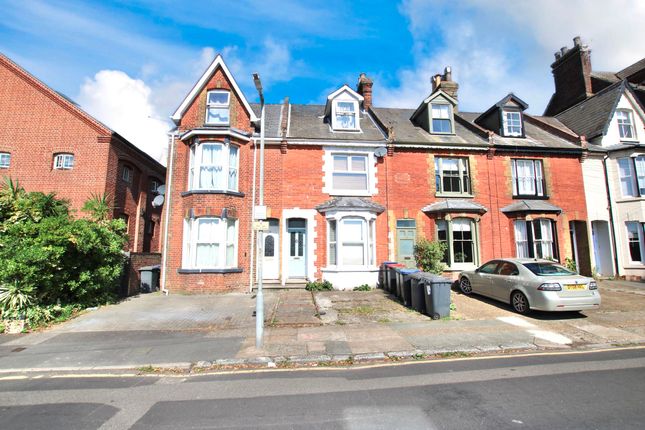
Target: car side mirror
{"type": "Point", "coordinates": [477, 270]}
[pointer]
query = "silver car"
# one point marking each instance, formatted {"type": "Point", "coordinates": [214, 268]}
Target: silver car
{"type": "Point", "coordinates": [532, 284]}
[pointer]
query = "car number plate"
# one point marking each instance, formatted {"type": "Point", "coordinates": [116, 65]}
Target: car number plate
{"type": "Point", "coordinates": [575, 287]}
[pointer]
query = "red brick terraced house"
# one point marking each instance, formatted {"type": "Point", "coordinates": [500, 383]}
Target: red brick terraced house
{"type": "Point", "coordinates": [349, 186]}
{"type": "Point", "coordinates": [49, 144]}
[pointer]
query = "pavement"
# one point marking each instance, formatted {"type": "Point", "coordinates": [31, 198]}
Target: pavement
{"type": "Point", "coordinates": [192, 333]}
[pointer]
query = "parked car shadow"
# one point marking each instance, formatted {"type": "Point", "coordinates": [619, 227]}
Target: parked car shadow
{"type": "Point", "coordinates": [534, 314]}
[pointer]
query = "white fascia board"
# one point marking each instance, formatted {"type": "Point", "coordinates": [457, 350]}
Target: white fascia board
{"type": "Point", "coordinates": [345, 87]}
{"type": "Point", "coordinates": [218, 61]}
{"type": "Point", "coordinates": [365, 144]}
{"type": "Point", "coordinates": [438, 93]}
{"type": "Point", "coordinates": [199, 132]}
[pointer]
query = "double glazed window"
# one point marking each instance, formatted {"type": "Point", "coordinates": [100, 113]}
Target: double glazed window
{"type": "Point", "coordinates": [512, 123]}
{"type": "Point", "coordinates": [218, 107]}
{"type": "Point", "coordinates": [127, 174]}
{"type": "Point", "coordinates": [214, 166]}
{"type": "Point", "coordinates": [64, 161]}
{"type": "Point", "coordinates": [625, 124]}
{"type": "Point", "coordinates": [528, 178]}
{"type": "Point", "coordinates": [350, 173]}
{"type": "Point", "coordinates": [5, 160]}
{"type": "Point", "coordinates": [344, 116]}
{"type": "Point", "coordinates": [451, 175]}
{"type": "Point", "coordinates": [210, 243]}
{"type": "Point", "coordinates": [351, 242]}
{"type": "Point", "coordinates": [536, 239]}
{"type": "Point", "coordinates": [459, 237]}
{"type": "Point", "coordinates": [441, 118]}
{"type": "Point", "coordinates": [631, 172]}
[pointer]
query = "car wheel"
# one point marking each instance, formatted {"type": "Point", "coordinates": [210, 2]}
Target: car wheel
{"type": "Point", "coordinates": [464, 286]}
{"type": "Point", "coordinates": [520, 303]}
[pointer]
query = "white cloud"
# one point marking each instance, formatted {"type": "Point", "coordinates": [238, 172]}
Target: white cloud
{"type": "Point", "coordinates": [124, 104]}
{"type": "Point", "coordinates": [499, 46]}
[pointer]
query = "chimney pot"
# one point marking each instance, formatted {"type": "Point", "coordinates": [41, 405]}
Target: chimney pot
{"type": "Point", "coordinates": [364, 88]}
{"type": "Point", "coordinates": [564, 50]}
{"type": "Point", "coordinates": [447, 73]}
{"type": "Point", "coordinates": [557, 56]}
{"type": "Point", "coordinates": [577, 41]}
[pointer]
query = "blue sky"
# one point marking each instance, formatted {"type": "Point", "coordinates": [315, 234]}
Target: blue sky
{"type": "Point", "coordinates": [130, 63]}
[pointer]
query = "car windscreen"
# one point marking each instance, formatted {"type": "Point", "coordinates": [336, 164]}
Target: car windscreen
{"type": "Point", "coordinates": [548, 269]}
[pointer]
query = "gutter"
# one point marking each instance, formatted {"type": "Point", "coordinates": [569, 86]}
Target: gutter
{"type": "Point", "coordinates": [611, 216]}
{"type": "Point", "coordinates": [164, 258]}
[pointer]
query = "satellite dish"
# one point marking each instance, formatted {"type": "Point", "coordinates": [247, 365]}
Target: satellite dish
{"type": "Point", "coordinates": [381, 151]}
{"type": "Point", "coordinates": [161, 190]}
{"type": "Point", "coordinates": [158, 201]}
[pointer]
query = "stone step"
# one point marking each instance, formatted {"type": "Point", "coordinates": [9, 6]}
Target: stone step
{"type": "Point", "coordinates": [277, 285]}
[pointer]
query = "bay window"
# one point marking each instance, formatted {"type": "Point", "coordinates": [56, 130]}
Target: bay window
{"type": "Point", "coordinates": [214, 166]}
{"type": "Point", "coordinates": [217, 107]}
{"type": "Point", "coordinates": [350, 241]}
{"type": "Point", "coordinates": [536, 239]}
{"type": "Point", "coordinates": [631, 173]}
{"type": "Point", "coordinates": [210, 243]}
{"type": "Point", "coordinates": [461, 242]}
{"type": "Point", "coordinates": [528, 178]}
{"type": "Point", "coordinates": [451, 175]}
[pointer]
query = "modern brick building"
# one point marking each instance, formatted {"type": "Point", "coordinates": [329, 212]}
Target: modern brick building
{"type": "Point", "coordinates": [48, 144]}
{"type": "Point", "coordinates": [349, 185]}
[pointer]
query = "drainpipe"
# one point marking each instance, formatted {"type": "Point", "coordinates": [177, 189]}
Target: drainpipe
{"type": "Point", "coordinates": [611, 215]}
{"type": "Point", "coordinates": [164, 257]}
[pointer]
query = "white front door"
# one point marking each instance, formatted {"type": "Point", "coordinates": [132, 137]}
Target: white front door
{"type": "Point", "coordinates": [271, 250]}
{"type": "Point", "coordinates": [297, 261]}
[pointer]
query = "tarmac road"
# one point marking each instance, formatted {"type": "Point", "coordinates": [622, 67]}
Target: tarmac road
{"type": "Point", "coordinates": [564, 391]}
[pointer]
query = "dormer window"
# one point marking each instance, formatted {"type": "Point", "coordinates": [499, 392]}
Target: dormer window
{"type": "Point", "coordinates": [217, 107]}
{"type": "Point", "coordinates": [441, 118]}
{"type": "Point", "coordinates": [625, 124]}
{"type": "Point", "coordinates": [344, 115]}
{"type": "Point", "coordinates": [512, 123]}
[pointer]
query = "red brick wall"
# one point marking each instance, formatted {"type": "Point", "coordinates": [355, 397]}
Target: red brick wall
{"type": "Point", "coordinates": [239, 207]}
{"type": "Point", "coordinates": [137, 261]}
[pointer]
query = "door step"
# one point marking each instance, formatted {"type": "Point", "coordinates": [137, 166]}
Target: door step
{"type": "Point", "coordinates": [277, 285]}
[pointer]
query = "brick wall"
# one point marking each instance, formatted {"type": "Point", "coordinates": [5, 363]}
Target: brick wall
{"type": "Point", "coordinates": [137, 261]}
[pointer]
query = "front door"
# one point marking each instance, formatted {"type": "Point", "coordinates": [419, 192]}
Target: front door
{"type": "Point", "coordinates": [271, 258]}
{"type": "Point", "coordinates": [406, 234]}
{"type": "Point", "coordinates": [296, 261]}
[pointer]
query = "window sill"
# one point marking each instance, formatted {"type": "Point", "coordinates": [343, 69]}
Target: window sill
{"type": "Point", "coordinates": [229, 193]}
{"type": "Point", "coordinates": [530, 197]}
{"type": "Point", "coordinates": [461, 196]}
{"type": "Point", "coordinates": [628, 199]}
{"type": "Point", "coordinates": [350, 193]}
{"type": "Point", "coordinates": [230, 270]}
{"type": "Point", "coordinates": [338, 269]}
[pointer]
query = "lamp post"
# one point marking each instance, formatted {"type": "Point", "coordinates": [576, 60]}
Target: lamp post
{"type": "Point", "coordinates": [259, 299]}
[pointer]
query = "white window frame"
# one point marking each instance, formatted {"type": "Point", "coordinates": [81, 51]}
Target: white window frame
{"type": "Point", "coordinates": [5, 160]}
{"type": "Point", "coordinates": [625, 122]}
{"type": "Point", "coordinates": [64, 161]}
{"type": "Point", "coordinates": [547, 244]}
{"type": "Point", "coordinates": [510, 122]}
{"type": "Point", "coordinates": [335, 112]}
{"type": "Point", "coordinates": [342, 245]}
{"type": "Point", "coordinates": [227, 165]}
{"type": "Point", "coordinates": [449, 223]}
{"type": "Point", "coordinates": [638, 228]}
{"type": "Point", "coordinates": [449, 118]}
{"type": "Point", "coordinates": [627, 177]}
{"type": "Point", "coordinates": [464, 176]}
{"type": "Point", "coordinates": [218, 106]}
{"type": "Point", "coordinates": [536, 178]}
{"type": "Point", "coordinates": [127, 173]}
{"type": "Point", "coordinates": [332, 172]}
{"type": "Point", "coordinates": [225, 235]}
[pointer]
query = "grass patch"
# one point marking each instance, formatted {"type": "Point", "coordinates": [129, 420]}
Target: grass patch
{"type": "Point", "coordinates": [454, 354]}
{"type": "Point", "coordinates": [363, 287]}
{"type": "Point", "coordinates": [384, 320]}
{"type": "Point", "coordinates": [147, 369]}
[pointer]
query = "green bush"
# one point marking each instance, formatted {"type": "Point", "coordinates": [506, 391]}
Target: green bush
{"type": "Point", "coordinates": [570, 264]}
{"type": "Point", "coordinates": [53, 257]}
{"type": "Point", "coordinates": [363, 287]}
{"type": "Point", "coordinates": [429, 255]}
{"type": "Point", "coordinates": [319, 286]}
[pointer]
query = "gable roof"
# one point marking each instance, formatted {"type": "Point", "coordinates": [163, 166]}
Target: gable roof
{"type": "Point", "coordinates": [500, 104]}
{"type": "Point", "coordinates": [342, 89]}
{"type": "Point", "coordinates": [628, 71]}
{"type": "Point", "coordinates": [431, 97]}
{"type": "Point", "coordinates": [63, 101]}
{"type": "Point", "coordinates": [199, 86]}
{"type": "Point", "coordinates": [591, 117]}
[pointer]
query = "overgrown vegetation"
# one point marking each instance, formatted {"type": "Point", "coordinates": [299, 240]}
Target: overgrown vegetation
{"type": "Point", "coordinates": [570, 264]}
{"type": "Point", "coordinates": [363, 287]}
{"type": "Point", "coordinates": [52, 263]}
{"type": "Point", "coordinates": [319, 286]}
{"type": "Point", "coordinates": [429, 255]}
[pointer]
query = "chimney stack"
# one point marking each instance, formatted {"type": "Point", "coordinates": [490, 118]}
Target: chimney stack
{"type": "Point", "coordinates": [571, 75]}
{"type": "Point", "coordinates": [364, 88]}
{"type": "Point", "coordinates": [445, 83]}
